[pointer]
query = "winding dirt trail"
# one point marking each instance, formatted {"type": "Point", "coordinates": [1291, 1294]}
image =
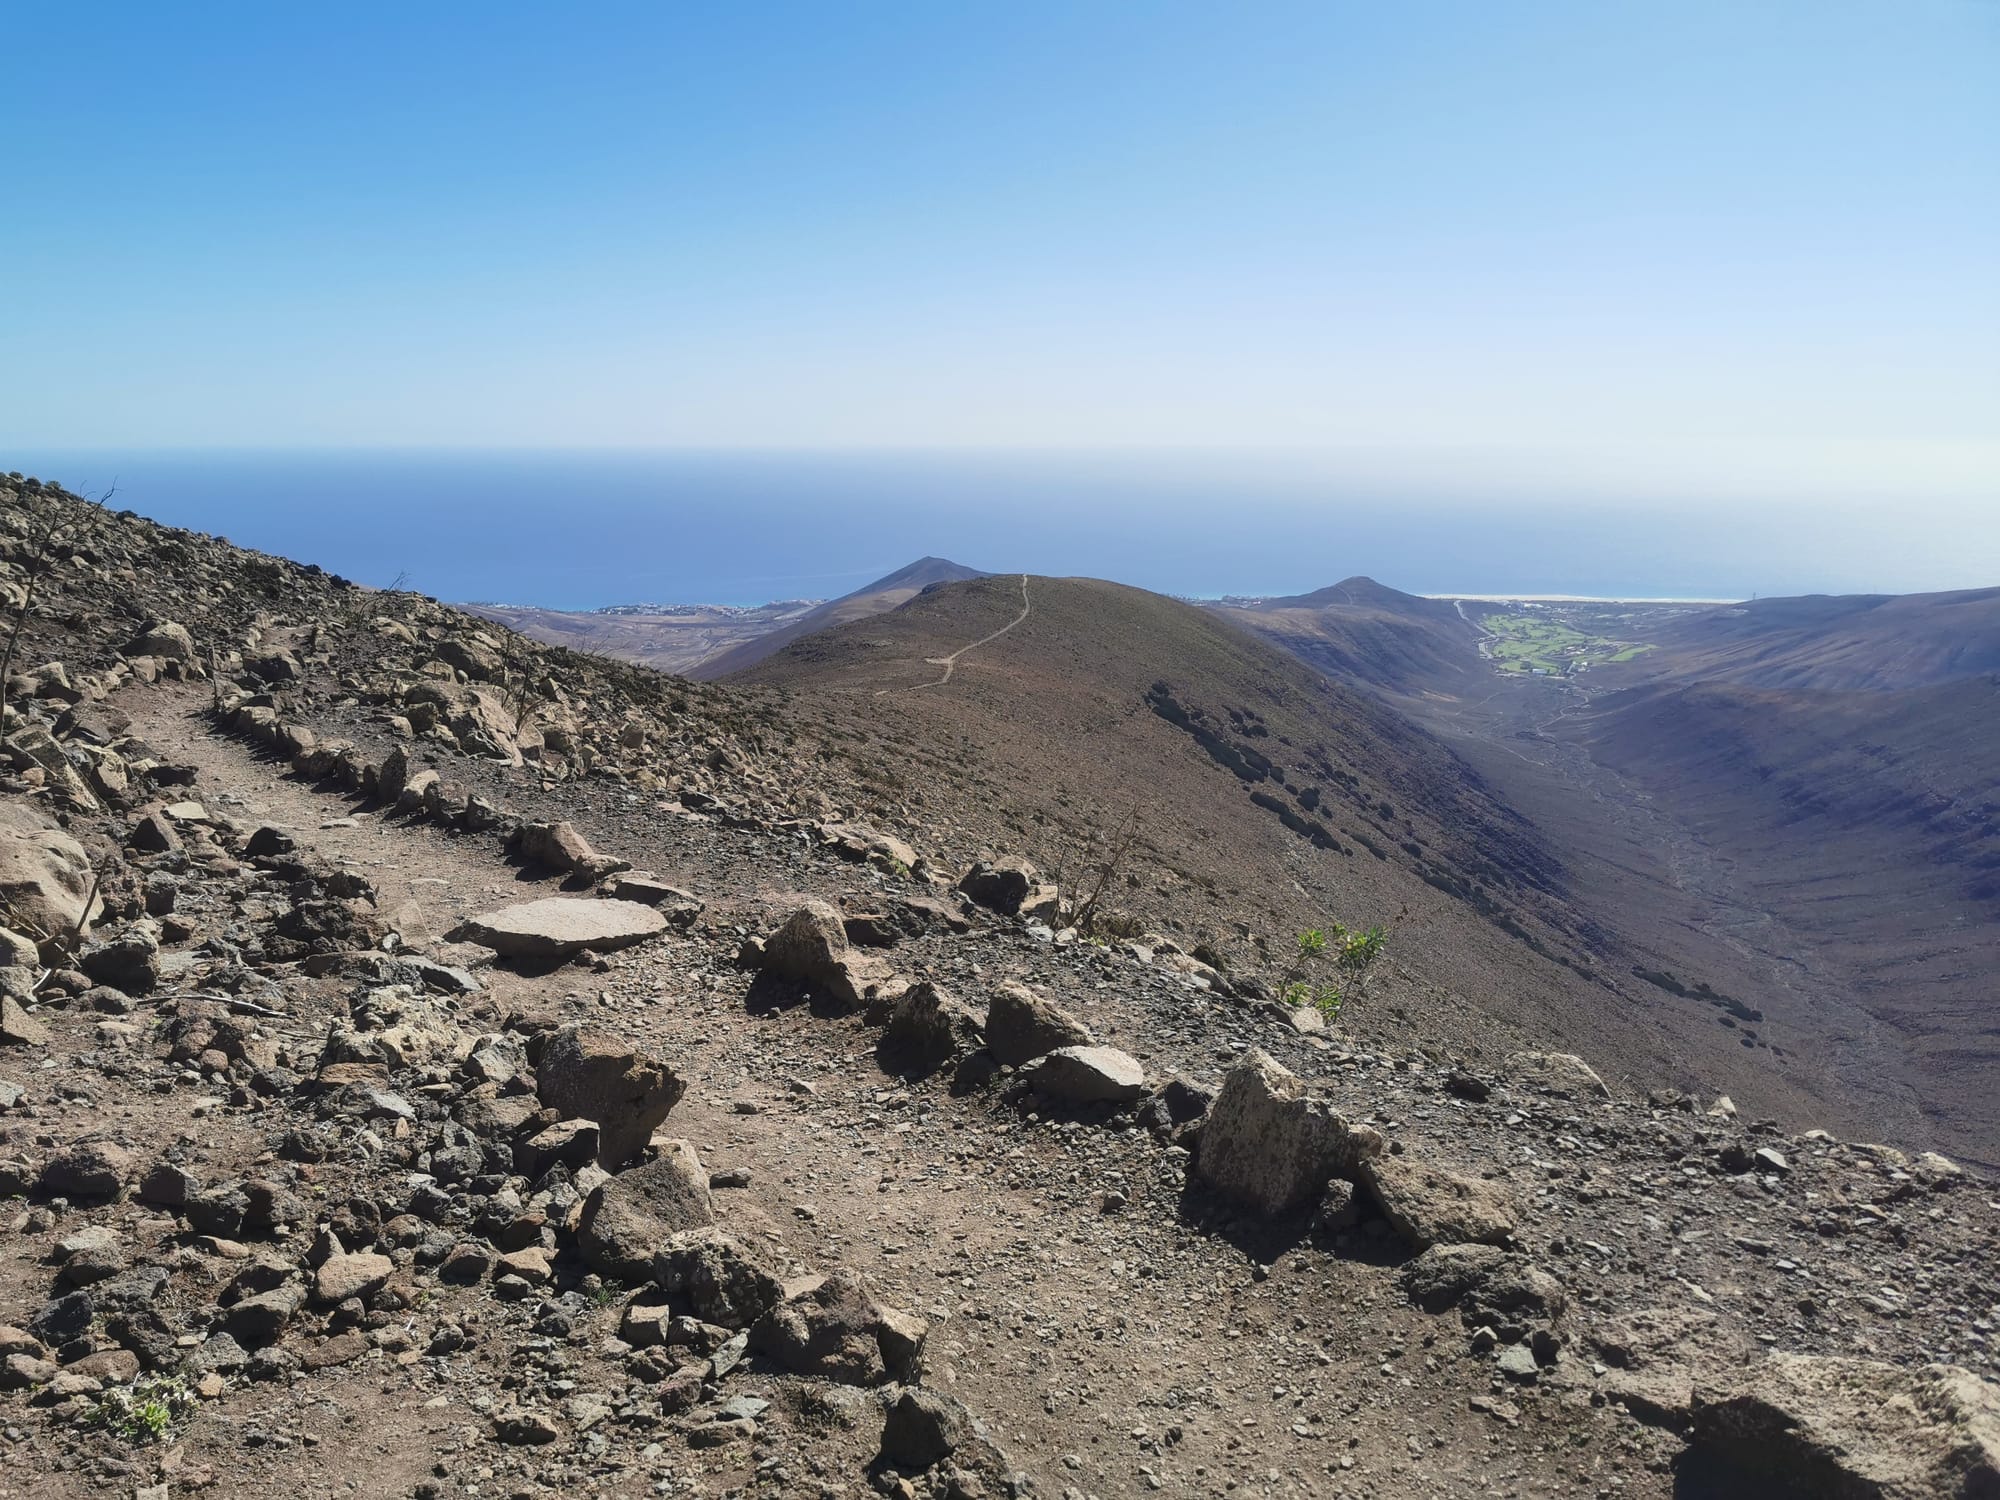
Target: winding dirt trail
{"type": "Point", "coordinates": [951, 661]}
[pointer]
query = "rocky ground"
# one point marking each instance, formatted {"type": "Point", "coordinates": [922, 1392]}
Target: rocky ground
{"type": "Point", "coordinates": [367, 1128]}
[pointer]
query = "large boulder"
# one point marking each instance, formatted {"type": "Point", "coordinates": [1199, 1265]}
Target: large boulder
{"type": "Point", "coordinates": [1850, 1429]}
{"type": "Point", "coordinates": [393, 774]}
{"type": "Point", "coordinates": [164, 639]}
{"type": "Point", "coordinates": [812, 947]}
{"type": "Point", "coordinates": [91, 1169]}
{"type": "Point", "coordinates": [628, 1218]}
{"type": "Point", "coordinates": [809, 944]}
{"type": "Point", "coordinates": [45, 877]}
{"type": "Point", "coordinates": [1087, 1075]}
{"type": "Point", "coordinates": [128, 960]}
{"type": "Point", "coordinates": [1000, 884]}
{"type": "Point", "coordinates": [1270, 1144]}
{"type": "Point", "coordinates": [840, 1331]}
{"type": "Point", "coordinates": [1429, 1205]}
{"type": "Point", "coordinates": [923, 1428]}
{"type": "Point", "coordinates": [709, 1275]}
{"type": "Point", "coordinates": [592, 1074]}
{"type": "Point", "coordinates": [1022, 1026]}
{"type": "Point", "coordinates": [559, 927]}
{"type": "Point", "coordinates": [929, 1027]}
{"type": "Point", "coordinates": [560, 847]}
{"type": "Point", "coordinates": [1560, 1073]}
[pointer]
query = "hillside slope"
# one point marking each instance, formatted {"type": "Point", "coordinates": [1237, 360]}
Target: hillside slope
{"type": "Point", "coordinates": [872, 599]}
{"type": "Point", "coordinates": [368, 1127]}
{"type": "Point", "coordinates": [1270, 799]}
{"type": "Point", "coordinates": [1362, 631]}
{"type": "Point", "coordinates": [1837, 642]}
{"type": "Point", "coordinates": [1868, 821]}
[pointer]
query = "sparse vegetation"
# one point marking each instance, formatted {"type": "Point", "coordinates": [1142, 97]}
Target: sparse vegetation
{"type": "Point", "coordinates": [1557, 642]}
{"type": "Point", "coordinates": [152, 1409]}
{"type": "Point", "coordinates": [1082, 875]}
{"type": "Point", "coordinates": [1351, 951]}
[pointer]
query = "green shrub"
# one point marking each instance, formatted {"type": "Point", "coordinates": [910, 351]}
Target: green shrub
{"type": "Point", "coordinates": [150, 1410]}
{"type": "Point", "coordinates": [1351, 950]}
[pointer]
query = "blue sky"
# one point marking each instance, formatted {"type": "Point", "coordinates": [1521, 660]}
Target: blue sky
{"type": "Point", "coordinates": [1606, 248]}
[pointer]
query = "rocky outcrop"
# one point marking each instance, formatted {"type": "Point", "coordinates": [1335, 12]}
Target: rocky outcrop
{"type": "Point", "coordinates": [811, 946]}
{"type": "Point", "coordinates": [1852, 1429]}
{"type": "Point", "coordinates": [716, 1278]}
{"type": "Point", "coordinates": [1000, 884]}
{"type": "Point", "coordinates": [929, 1027]}
{"type": "Point", "coordinates": [924, 1428]}
{"type": "Point", "coordinates": [558, 846]}
{"type": "Point", "coordinates": [1430, 1205]}
{"type": "Point", "coordinates": [1087, 1075]}
{"type": "Point", "coordinates": [1268, 1143]}
{"type": "Point", "coordinates": [45, 875]}
{"type": "Point", "coordinates": [1022, 1025]}
{"type": "Point", "coordinates": [627, 1218]}
{"type": "Point", "coordinates": [839, 1330]}
{"type": "Point", "coordinates": [589, 1074]}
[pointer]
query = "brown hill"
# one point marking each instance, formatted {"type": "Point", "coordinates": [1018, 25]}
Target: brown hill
{"type": "Point", "coordinates": [882, 595]}
{"type": "Point", "coordinates": [1271, 798]}
{"type": "Point", "coordinates": [1363, 631]}
{"type": "Point", "coordinates": [711, 640]}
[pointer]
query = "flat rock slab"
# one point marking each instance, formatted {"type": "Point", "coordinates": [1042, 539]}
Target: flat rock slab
{"type": "Point", "coordinates": [559, 927]}
{"type": "Point", "coordinates": [1088, 1075]}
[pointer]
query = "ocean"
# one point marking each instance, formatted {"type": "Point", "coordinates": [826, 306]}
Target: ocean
{"type": "Point", "coordinates": [578, 530]}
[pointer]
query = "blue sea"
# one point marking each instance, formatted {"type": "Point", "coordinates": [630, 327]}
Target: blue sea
{"type": "Point", "coordinates": [577, 530]}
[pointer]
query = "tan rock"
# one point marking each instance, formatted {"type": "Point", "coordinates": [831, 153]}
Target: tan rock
{"type": "Point", "coordinates": [1430, 1205]}
{"type": "Point", "coordinates": [1825, 1425]}
{"type": "Point", "coordinates": [588, 1073]}
{"type": "Point", "coordinates": [1272, 1145]}
{"type": "Point", "coordinates": [356, 1275]}
{"type": "Point", "coordinates": [560, 927]}
{"type": "Point", "coordinates": [1022, 1025]}
{"type": "Point", "coordinates": [45, 876]}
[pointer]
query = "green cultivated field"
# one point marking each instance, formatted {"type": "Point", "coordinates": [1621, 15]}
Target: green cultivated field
{"type": "Point", "coordinates": [1556, 642]}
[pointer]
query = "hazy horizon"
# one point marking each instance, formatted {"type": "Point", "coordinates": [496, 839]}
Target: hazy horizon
{"type": "Point", "coordinates": [1742, 253]}
{"type": "Point", "coordinates": [1542, 298]}
{"type": "Point", "coordinates": [584, 530]}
